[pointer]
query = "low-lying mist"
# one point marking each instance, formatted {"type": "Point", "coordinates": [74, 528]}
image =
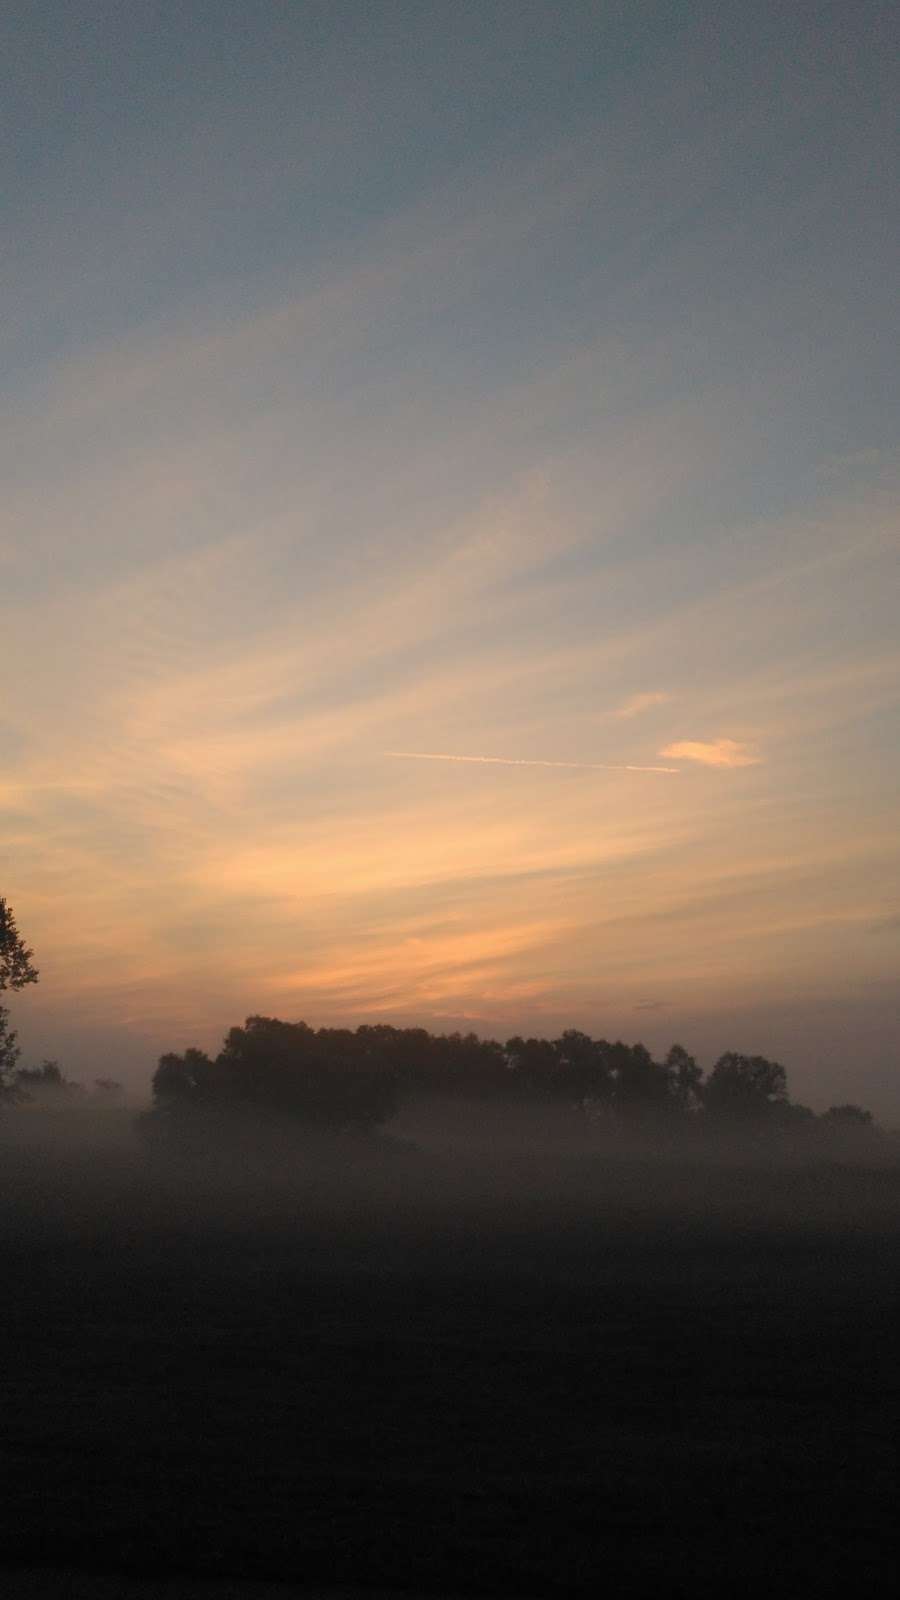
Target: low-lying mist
{"type": "Point", "coordinates": [477, 1350]}
{"type": "Point", "coordinates": [442, 1166]}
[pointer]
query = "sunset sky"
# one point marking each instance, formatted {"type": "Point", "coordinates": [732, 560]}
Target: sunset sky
{"type": "Point", "coordinates": [512, 379]}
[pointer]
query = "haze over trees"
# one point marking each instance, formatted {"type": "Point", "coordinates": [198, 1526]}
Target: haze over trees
{"type": "Point", "coordinates": [338, 1079]}
{"type": "Point", "coordinates": [448, 1313]}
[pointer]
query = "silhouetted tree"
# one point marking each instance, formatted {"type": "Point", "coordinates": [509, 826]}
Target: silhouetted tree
{"type": "Point", "coordinates": [641, 1084]}
{"type": "Point", "coordinates": [685, 1079]}
{"type": "Point", "coordinates": [848, 1116]}
{"type": "Point", "coordinates": [320, 1077]}
{"type": "Point", "coordinates": [16, 970]}
{"type": "Point", "coordinates": [533, 1062]}
{"type": "Point", "coordinates": [792, 1115]}
{"type": "Point", "coordinates": [465, 1065]}
{"type": "Point", "coordinates": [48, 1076]}
{"type": "Point", "coordinates": [9, 1054]}
{"type": "Point", "coordinates": [328, 1078]}
{"type": "Point", "coordinates": [46, 1082]}
{"type": "Point", "coordinates": [183, 1079]}
{"type": "Point", "coordinates": [406, 1052]}
{"type": "Point", "coordinates": [582, 1069]}
{"type": "Point", "coordinates": [343, 1078]}
{"type": "Point", "coordinates": [745, 1086]}
{"type": "Point", "coordinates": [16, 960]}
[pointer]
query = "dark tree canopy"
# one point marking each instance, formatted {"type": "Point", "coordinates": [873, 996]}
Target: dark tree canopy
{"type": "Point", "coordinates": [341, 1078]}
{"type": "Point", "coordinates": [327, 1079]}
{"type": "Point", "coordinates": [16, 964]}
{"type": "Point", "coordinates": [16, 970]}
{"type": "Point", "coordinates": [46, 1082]}
{"type": "Point", "coordinates": [745, 1086]}
{"type": "Point", "coordinates": [685, 1078]}
{"type": "Point", "coordinates": [9, 1052]}
{"type": "Point", "coordinates": [848, 1116]}
{"type": "Point", "coordinates": [183, 1079]}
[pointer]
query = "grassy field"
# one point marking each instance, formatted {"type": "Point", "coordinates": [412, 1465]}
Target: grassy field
{"type": "Point", "coordinates": [404, 1373]}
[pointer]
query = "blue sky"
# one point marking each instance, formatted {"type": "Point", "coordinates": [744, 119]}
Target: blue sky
{"type": "Point", "coordinates": [514, 380]}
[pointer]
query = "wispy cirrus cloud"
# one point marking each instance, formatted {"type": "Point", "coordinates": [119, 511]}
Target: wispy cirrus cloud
{"type": "Point", "coordinates": [712, 752]}
{"type": "Point", "coordinates": [450, 479]}
{"type": "Point", "coordinates": [638, 703]}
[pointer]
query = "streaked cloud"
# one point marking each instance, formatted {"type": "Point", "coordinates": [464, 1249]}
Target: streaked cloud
{"type": "Point", "coordinates": [309, 500]}
{"type": "Point", "coordinates": [712, 752]}
{"type": "Point", "coordinates": [515, 761]}
{"type": "Point", "coordinates": [638, 703]}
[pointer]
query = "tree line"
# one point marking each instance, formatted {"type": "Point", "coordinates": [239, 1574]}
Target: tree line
{"type": "Point", "coordinates": [343, 1078]}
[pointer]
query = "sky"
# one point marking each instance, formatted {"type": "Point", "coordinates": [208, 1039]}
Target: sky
{"type": "Point", "coordinates": [386, 386]}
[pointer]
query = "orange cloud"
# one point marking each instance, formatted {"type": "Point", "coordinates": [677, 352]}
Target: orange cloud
{"type": "Point", "coordinates": [425, 969]}
{"type": "Point", "coordinates": [637, 703]}
{"type": "Point", "coordinates": [712, 753]}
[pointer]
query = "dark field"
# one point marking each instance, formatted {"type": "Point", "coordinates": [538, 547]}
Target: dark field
{"type": "Point", "coordinates": [400, 1369]}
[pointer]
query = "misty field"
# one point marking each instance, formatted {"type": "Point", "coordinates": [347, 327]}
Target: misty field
{"type": "Point", "coordinates": [366, 1363]}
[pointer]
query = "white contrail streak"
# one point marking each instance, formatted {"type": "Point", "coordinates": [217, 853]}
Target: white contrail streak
{"type": "Point", "coordinates": [512, 761]}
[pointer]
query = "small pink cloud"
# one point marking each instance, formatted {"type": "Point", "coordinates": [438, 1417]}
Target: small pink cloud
{"type": "Point", "coordinates": [713, 752]}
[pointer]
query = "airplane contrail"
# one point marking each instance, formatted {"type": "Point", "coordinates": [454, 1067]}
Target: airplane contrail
{"type": "Point", "coordinates": [512, 761]}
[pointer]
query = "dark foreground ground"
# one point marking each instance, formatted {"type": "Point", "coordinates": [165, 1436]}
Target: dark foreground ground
{"type": "Point", "coordinates": [69, 1584]}
{"type": "Point", "coordinates": [402, 1377]}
